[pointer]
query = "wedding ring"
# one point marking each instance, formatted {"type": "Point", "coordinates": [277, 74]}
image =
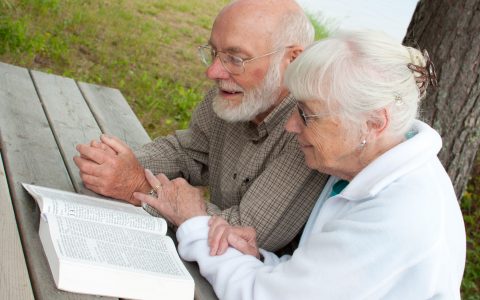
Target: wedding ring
{"type": "Point", "coordinates": [153, 193]}
{"type": "Point", "coordinates": [157, 187]}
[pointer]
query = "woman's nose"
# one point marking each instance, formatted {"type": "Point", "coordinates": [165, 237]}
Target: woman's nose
{"type": "Point", "coordinates": [294, 123]}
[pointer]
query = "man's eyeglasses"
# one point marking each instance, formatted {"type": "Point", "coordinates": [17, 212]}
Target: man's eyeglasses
{"type": "Point", "coordinates": [306, 117]}
{"type": "Point", "coordinates": [233, 64]}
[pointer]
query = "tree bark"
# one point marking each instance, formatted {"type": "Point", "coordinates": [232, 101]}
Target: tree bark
{"type": "Point", "coordinates": [450, 31]}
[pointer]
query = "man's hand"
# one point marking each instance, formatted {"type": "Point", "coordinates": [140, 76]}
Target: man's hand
{"type": "Point", "coordinates": [176, 199]}
{"type": "Point", "coordinates": [222, 234]}
{"type": "Point", "coordinates": [110, 168]}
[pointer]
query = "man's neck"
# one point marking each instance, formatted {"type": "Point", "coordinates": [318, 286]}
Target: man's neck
{"type": "Point", "coordinates": [259, 118]}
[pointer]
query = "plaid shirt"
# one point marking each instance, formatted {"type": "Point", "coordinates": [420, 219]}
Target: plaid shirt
{"type": "Point", "coordinates": [256, 174]}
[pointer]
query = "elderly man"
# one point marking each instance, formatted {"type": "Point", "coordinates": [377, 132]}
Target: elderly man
{"type": "Point", "coordinates": [236, 143]}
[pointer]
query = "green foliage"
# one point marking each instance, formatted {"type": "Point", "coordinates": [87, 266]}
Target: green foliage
{"type": "Point", "coordinates": [145, 48]}
{"type": "Point", "coordinates": [471, 214]}
{"type": "Point", "coordinates": [13, 35]}
{"type": "Point", "coordinates": [321, 30]}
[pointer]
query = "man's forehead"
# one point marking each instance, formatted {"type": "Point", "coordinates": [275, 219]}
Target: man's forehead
{"type": "Point", "coordinates": [238, 35]}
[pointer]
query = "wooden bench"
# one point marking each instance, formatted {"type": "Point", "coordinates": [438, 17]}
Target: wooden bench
{"type": "Point", "coordinates": [42, 118]}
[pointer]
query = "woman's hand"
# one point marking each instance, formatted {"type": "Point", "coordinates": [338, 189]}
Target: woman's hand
{"type": "Point", "coordinates": [221, 235]}
{"type": "Point", "coordinates": [176, 199]}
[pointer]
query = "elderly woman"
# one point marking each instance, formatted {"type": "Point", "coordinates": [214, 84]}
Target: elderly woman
{"type": "Point", "coordinates": [387, 225]}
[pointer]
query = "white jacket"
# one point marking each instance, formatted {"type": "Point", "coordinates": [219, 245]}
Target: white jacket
{"type": "Point", "coordinates": [395, 232]}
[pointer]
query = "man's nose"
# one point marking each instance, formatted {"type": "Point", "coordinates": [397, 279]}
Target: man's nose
{"type": "Point", "coordinates": [216, 70]}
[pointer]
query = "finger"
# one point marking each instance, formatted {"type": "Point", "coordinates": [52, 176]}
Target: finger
{"type": "Point", "coordinates": [216, 220]}
{"type": "Point", "coordinates": [213, 223]}
{"type": "Point", "coordinates": [87, 166]}
{"type": "Point", "coordinates": [95, 144]}
{"type": "Point", "coordinates": [115, 143]}
{"type": "Point", "coordinates": [102, 146]}
{"type": "Point", "coordinates": [223, 245]}
{"type": "Point", "coordinates": [94, 188]}
{"type": "Point", "coordinates": [247, 233]}
{"type": "Point", "coordinates": [153, 202]}
{"type": "Point", "coordinates": [216, 235]}
{"type": "Point", "coordinates": [164, 181]}
{"type": "Point", "coordinates": [241, 245]}
{"type": "Point", "coordinates": [144, 198]}
{"type": "Point", "coordinates": [94, 154]}
{"type": "Point", "coordinates": [108, 149]}
{"type": "Point", "coordinates": [152, 180]}
{"type": "Point", "coordinates": [90, 180]}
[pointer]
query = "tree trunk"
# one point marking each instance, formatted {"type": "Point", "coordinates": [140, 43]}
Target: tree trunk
{"type": "Point", "coordinates": [450, 31]}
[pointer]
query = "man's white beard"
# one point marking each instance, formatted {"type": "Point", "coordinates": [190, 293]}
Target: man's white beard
{"type": "Point", "coordinates": [254, 102]}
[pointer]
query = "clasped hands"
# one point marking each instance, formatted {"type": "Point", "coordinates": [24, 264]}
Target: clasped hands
{"type": "Point", "coordinates": [109, 167]}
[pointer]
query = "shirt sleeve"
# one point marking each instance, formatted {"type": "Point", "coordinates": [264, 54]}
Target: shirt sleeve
{"type": "Point", "coordinates": [278, 202]}
{"type": "Point", "coordinates": [183, 154]}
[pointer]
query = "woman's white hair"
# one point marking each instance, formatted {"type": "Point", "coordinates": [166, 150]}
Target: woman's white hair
{"type": "Point", "coordinates": [357, 74]}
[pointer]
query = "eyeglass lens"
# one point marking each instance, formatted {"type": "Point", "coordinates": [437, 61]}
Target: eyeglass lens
{"type": "Point", "coordinates": [302, 115]}
{"type": "Point", "coordinates": [231, 63]}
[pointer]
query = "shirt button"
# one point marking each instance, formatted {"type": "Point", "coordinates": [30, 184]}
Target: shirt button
{"type": "Point", "coordinates": [235, 176]}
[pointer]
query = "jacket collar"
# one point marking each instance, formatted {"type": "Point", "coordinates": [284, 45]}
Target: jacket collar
{"type": "Point", "coordinates": [395, 163]}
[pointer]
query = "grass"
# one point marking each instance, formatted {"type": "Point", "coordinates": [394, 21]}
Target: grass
{"type": "Point", "coordinates": [147, 49]}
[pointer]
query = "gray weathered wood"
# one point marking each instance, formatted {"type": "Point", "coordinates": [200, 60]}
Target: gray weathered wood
{"type": "Point", "coordinates": [30, 155]}
{"type": "Point", "coordinates": [14, 281]}
{"type": "Point", "coordinates": [39, 133]}
{"type": "Point", "coordinates": [70, 118]}
{"type": "Point", "coordinates": [115, 117]}
{"type": "Point", "coordinates": [113, 114]}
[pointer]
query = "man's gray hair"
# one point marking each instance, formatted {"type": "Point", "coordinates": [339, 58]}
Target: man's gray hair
{"type": "Point", "coordinates": [294, 28]}
{"type": "Point", "coordinates": [357, 74]}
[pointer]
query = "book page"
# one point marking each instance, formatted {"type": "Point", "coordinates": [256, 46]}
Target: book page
{"type": "Point", "coordinates": [93, 209]}
{"type": "Point", "coordinates": [115, 247]}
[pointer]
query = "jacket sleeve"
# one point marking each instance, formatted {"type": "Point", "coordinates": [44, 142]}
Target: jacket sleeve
{"type": "Point", "coordinates": [357, 256]}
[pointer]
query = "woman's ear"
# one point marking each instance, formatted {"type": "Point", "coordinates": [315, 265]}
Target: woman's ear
{"type": "Point", "coordinates": [379, 122]}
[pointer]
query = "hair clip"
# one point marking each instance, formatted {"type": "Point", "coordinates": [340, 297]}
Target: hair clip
{"type": "Point", "coordinates": [428, 75]}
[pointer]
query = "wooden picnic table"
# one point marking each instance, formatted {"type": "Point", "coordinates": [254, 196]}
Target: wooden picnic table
{"type": "Point", "coordinates": [42, 118]}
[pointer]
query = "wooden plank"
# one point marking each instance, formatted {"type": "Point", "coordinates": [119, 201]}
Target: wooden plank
{"type": "Point", "coordinates": [70, 119]}
{"type": "Point", "coordinates": [113, 114]}
{"type": "Point", "coordinates": [116, 117]}
{"type": "Point", "coordinates": [31, 155]}
{"type": "Point", "coordinates": [14, 278]}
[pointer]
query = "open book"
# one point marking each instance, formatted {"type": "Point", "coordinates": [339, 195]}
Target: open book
{"type": "Point", "coordinates": [107, 247]}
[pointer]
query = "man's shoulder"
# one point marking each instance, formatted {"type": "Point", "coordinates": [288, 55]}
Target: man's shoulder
{"type": "Point", "coordinates": [203, 113]}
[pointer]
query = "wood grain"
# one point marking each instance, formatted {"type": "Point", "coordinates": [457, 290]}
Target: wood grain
{"type": "Point", "coordinates": [14, 281]}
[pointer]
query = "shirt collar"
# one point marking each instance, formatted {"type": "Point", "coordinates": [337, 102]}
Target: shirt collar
{"type": "Point", "coordinates": [277, 117]}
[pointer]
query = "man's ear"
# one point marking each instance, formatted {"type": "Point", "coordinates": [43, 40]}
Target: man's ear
{"type": "Point", "coordinates": [379, 122]}
{"type": "Point", "coordinates": [294, 52]}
